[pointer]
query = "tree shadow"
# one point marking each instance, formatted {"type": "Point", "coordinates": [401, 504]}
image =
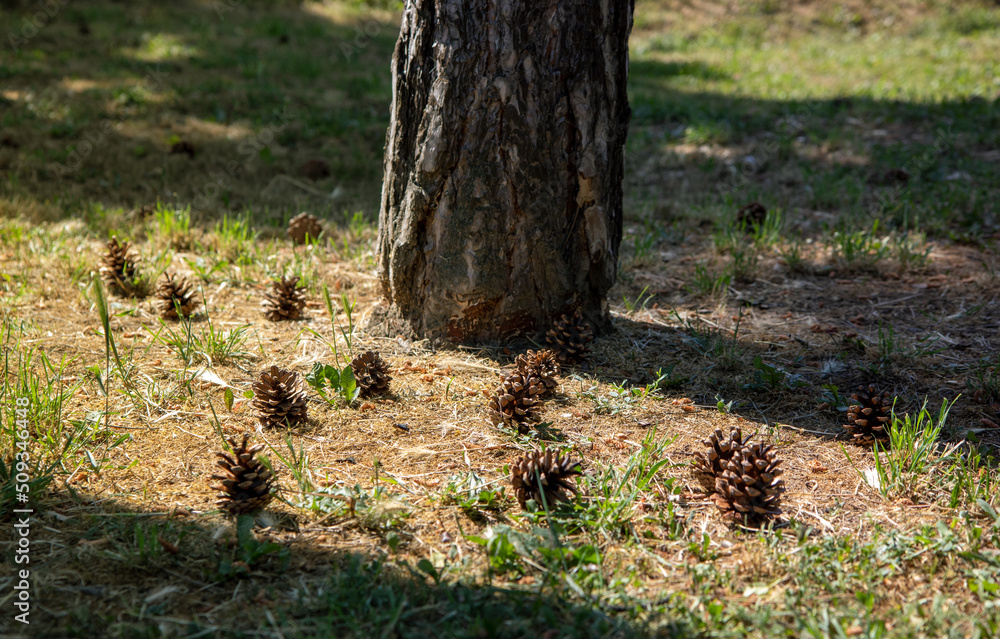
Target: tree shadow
{"type": "Point", "coordinates": [256, 89]}
{"type": "Point", "coordinates": [127, 572]}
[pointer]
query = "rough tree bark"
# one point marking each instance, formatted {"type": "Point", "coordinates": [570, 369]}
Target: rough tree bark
{"type": "Point", "coordinates": [502, 199]}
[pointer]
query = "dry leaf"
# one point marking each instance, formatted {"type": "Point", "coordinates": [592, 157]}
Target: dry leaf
{"type": "Point", "coordinates": [209, 378]}
{"type": "Point", "coordinates": [169, 547]}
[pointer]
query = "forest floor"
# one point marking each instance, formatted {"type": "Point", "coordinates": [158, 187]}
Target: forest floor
{"type": "Point", "coordinates": [869, 131]}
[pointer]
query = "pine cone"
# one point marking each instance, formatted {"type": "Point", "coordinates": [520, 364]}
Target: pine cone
{"type": "Point", "coordinates": [710, 465]}
{"type": "Point", "coordinates": [569, 338]}
{"type": "Point", "coordinates": [749, 488]}
{"type": "Point", "coordinates": [285, 300]}
{"type": "Point", "coordinates": [516, 401]}
{"type": "Point", "coordinates": [176, 294]}
{"type": "Point", "coordinates": [246, 484]}
{"type": "Point", "coordinates": [315, 169]}
{"type": "Point", "coordinates": [120, 271]}
{"type": "Point", "coordinates": [371, 373]}
{"type": "Point", "coordinates": [304, 225]}
{"type": "Point", "coordinates": [543, 365]}
{"type": "Point", "coordinates": [279, 398]}
{"type": "Point", "coordinates": [751, 214]}
{"type": "Point", "coordinates": [869, 416]}
{"type": "Point", "coordinates": [182, 146]}
{"type": "Point", "coordinates": [552, 471]}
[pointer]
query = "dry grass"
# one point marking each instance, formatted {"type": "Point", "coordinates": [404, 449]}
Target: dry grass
{"type": "Point", "coordinates": [430, 431]}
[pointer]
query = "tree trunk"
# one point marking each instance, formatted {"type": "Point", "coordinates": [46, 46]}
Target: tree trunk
{"type": "Point", "coordinates": [502, 199]}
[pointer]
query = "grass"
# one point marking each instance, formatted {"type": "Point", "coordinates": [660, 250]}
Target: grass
{"type": "Point", "coordinates": [394, 515]}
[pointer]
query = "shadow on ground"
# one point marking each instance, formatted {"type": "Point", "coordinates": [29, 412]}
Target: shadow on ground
{"type": "Point", "coordinates": [126, 573]}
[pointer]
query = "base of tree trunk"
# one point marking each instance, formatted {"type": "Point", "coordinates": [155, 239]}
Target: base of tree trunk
{"type": "Point", "coordinates": [502, 198]}
{"type": "Point", "coordinates": [386, 320]}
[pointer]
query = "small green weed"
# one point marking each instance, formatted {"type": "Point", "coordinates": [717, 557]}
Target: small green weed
{"type": "Point", "coordinates": [622, 396]}
{"type": "Point", "coordinates": [984, 382]}
{"type": "Point", "coordinates": [831, 395]}
{"type": "Point", "coordinates": [791, 254]}
{"type": "Point", "coordinates": [768, 233]}
{"type": "Point", "coordinates": [324, 377]}
{"type": "Point", "coordinates": [909, 468]}
{"type": "Point", "coordinates": [249, 551]}
{"type": "Point", "coordinates": [347, 336]}
{"type": "Point", "coordinates": [234, 239]}
{"type": "Point", "coordinates": [639, 303]}
{"type": "Point", "coordinates": [205, 268]}
{"type": "Point", "coordinates": [712, 343]}
{"type": "Point", "coordinates": [910, 250]}
{"type": "Point", "coordinates": [707, 283]}
{"type": "Point", "coordinates": [891, 348]}
{"type": "Point", "coordinates": [472, 493]}
{"type": "Point", "coordinates": [863, 249]}
{"type": "Point", "coordinates": [768, 377]}
{"type": "Point", "coordinates": [173, 226]}
{"type": "Point", "coordinates": [744, 253]}
{"type": "Point", "coordinates": [375, 509]}
{"type": "Point", "coordinates": [615, 492]}
{"type": "Point", "coordinates": [208, 345]}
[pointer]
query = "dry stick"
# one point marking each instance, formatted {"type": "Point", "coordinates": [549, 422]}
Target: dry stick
{"type": "Point", "coordinates": [902, 299]}
{"type": "Point", "coordinates": [805, 430]}
{"type": "Point", "coordinates": [188, 432]}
